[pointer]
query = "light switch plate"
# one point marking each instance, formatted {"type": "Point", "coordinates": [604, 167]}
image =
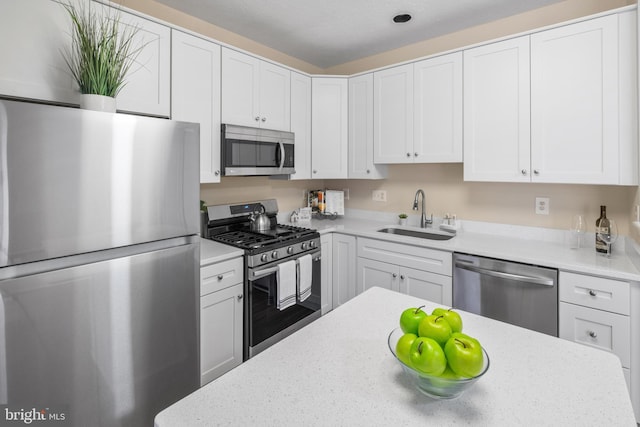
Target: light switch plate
{"type": "Point", "coordinates": [542, 205]}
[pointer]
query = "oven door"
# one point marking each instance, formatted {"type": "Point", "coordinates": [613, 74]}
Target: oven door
{"type": "Point", "coordinates": [264, 323]}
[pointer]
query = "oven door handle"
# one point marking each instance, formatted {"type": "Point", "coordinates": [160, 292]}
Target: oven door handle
{"type": "Point", "coordinates": [267, 271]}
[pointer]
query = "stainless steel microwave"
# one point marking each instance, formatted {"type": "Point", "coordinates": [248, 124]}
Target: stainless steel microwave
{"type": "Point", "coordinates": [254, 151]}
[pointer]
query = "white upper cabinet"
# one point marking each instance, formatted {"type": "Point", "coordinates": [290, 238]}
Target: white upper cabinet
{"type": "Point", "coordinates": [255, 92]}
{"type": "Point", "coordinates": [575, 95]}
{"type": "Point", "coordinates": [330, 130]}
{"type": "Point", "coordinates": [361, 130]}
{"type": "Point", "coordinates": [36, 32]}
{"type": "Point", "coordinates": [301, 124]}
{"type": "Point", "coordinates": [496, 111]}
{"type": "Point", "coordinates": [195, 87]}
{"type": "Point", "coordinates": [558, 106]}
{"type": "Point", "coordinates": [149, 79]}
{"type": "Point", "coordinates": [437, 119]}
{"type": "Point", "coordinates": [393, 115]}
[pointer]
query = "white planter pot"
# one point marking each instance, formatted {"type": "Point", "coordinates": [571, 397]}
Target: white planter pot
{"type": "Point", "coordinates": [402, 221]}
{"type": "Point", "coordinates": [97, 103]}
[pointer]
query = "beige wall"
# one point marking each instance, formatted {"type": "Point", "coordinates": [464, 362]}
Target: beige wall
{"type": "Point", "coordinates": [446, 192]}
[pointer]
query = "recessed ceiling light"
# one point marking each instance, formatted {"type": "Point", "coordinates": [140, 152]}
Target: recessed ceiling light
{"type": "Point", "coordinates": [402, 18]}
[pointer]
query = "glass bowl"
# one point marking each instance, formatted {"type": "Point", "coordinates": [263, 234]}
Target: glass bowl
{"type": "Point", "coordinates": [434, 386]}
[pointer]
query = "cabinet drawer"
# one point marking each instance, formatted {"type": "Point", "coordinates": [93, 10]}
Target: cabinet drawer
{"type": "Point", "coordinates": [596, 328]}
{"type": "Point", "coordinates": [220, 275]}
{"type": "Point", "coordinates": [595, 292]}
{"type": "Point", "coordinates": [404, 255]}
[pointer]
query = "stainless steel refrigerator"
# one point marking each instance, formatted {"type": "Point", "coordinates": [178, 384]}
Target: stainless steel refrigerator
{"type": "Point", "coordinates": [99, 265]}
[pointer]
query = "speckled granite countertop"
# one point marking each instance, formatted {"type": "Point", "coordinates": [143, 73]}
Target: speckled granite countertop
{"type": "Point", "coordinates": [339, 371]}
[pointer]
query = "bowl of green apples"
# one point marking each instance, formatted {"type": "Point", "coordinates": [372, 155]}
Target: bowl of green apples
{"type": "Point", "coordinates": [440, 360]}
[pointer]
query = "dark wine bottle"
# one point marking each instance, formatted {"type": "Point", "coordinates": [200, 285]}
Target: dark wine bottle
{"type": "Point", "coordinates": [602, 226]}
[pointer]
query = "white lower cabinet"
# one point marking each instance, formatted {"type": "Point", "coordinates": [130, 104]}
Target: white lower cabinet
{"type": "Point", "coordinates": [596, 311]}
{"type": "Point", "coordinates": [221, 317]}
{"type": "Point", "coordinates": [344, 268]}
{"type": "Point", "coordinates": [326, 266]}
{"type": "Point", "coordinates": [417, 271]}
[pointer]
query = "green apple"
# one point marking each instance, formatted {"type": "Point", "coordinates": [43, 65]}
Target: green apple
{"type": "Point", "coordinates": [449, 374]}
{"type": "Point", "coordinates": [427, 356]}
{"type": "Point", "coordinates": [403, 348]}
{"type": "Point", "coordinates": [410, 319]}
{"type": "Point", "coordinates": [464, 355]}
{"type": "Point", "coordinates": [435, 327]}
{"type": "Point", "coordinates": [454, 319]}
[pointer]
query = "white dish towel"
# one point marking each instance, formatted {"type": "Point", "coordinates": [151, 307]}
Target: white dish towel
{"type": "Point", "coordinates": [286, 278]}
{"type": "Point", "coordinates": [305, 270]}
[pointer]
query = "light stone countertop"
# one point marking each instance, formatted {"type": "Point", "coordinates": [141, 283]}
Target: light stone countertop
{"type": "Point", "coordinates": [339, 371]}
{"type": "Point", "coordinates": [212, 252]}
{"type": "Point", "coordinates": [529, 245]}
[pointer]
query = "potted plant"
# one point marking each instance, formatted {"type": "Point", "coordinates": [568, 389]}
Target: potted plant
{"type": "Point", "coordinates": [101, 53]}
{"type": "Point", "coordinates": [402, 219]}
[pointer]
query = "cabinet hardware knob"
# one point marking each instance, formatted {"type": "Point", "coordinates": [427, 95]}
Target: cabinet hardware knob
{"type": "Point", "coordinates": [315, 171]}
{"type": "Point", "coordinates": [408, 154]}
{"type": "Point", "coordinates": [415, 154]}
{"type": "Point", "coordinates": [264, 119]}
{"type": "Point", "coordinates": [402, 277]}
{"type": "Point", "coordinates": [536, 172]}
{"type": "Point", "coordinates": [592, 334]}
{"type": "Point", "coordinates": [239, 297]}
{"type": "Point", "coordinates": [394, 275]}
{"type": "Point", "coordinates": [523, 171]}
{"type": "Point", "coordinates": [257, 118]}
{"type": "Point", "coordinates": [216, 173]}
{"type": "Point", "coordinates": [220, 277]}
{"type": "Point", "coordinates": [368, 171]}
{"type": "Point", "coordinates": [592, 292]}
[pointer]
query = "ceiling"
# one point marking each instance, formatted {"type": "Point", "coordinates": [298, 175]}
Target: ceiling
{"type": "Point", "coordinates": [332, 32]}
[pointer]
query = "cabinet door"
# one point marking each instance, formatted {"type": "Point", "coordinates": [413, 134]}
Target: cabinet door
{"type": "Point", "coordinates": [240, 80]}
{"type": "Point", "coordinates": [429, 286]}
{"type": "Point", "coordinates": [375, 273]}
{"type": "Point", "coordinates": [326, 264]}
{"type": "Point", "coordinates": [274, 97]}
{"type": "Point", "coordinates": [149, 79]}
{"type": "Point", "coordinates": [330, 131]}
{"type": "Point", "coordinates": [393, 115]}
{"type": "Point", "coordinates": [301, 124]}
{"type": "Point", "coordinates": [33, 34]}
{"type": "Point", "coordinates": [361, 130]}
{"type": "Point", "coordinates": [195, 93]}
{"type": "Point", "coordinates": [437, 117]}
{"type": "Point", "coordinates": [574, 103]}
{"type": "Point", "coordinates": [496, 112]}
{"type": "Point", "coordinates": [220, 332]}
{"type": "Point", "coordinates": [344, 268]}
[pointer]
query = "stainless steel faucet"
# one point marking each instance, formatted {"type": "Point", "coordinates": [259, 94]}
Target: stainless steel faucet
{"type": "Point", "coordinates": [424, 222]}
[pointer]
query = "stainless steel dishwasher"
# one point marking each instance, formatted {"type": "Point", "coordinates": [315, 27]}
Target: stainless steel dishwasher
{"type": "Point", "coordinates": [520, 294]}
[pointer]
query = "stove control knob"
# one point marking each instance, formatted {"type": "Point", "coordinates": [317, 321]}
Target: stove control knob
{"type": "Point", "coordinates": [274, 254]}
{"type": "Point", "coordinates": [289, 250]}
{"type": "Point", "coordinates": [264, 258]}
{"type": "Point", "coordinates": [312, 243]}
{"type": "Point", "coordinates": [304, 246]}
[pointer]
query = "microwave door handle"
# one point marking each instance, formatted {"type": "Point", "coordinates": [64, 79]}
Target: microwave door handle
{"type": "Point", "coordinates": [281, 154]}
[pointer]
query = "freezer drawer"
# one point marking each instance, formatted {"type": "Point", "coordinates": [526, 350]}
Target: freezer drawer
{"type": "Point", "coordinates": [111, 343]}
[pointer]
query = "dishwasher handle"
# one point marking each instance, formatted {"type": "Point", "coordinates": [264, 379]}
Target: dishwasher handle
{"type": "Point", "coordinates": [508, 276]}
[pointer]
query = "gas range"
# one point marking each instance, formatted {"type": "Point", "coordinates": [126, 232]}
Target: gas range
{"type": "Point", "coordinates": [231, 225]}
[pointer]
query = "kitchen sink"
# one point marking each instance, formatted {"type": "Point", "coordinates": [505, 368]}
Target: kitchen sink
{"type": "Point", "coordinates": [422, 234]}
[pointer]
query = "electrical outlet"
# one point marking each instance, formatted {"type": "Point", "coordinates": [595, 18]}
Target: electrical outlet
{"type": "Point", "coordinates": [346, 193]}
{"type": "Point", "coordinates": [542, 205]}
{"type": "Point", "coordinates": [379, 196]}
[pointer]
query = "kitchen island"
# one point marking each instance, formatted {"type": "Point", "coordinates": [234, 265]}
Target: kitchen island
{"type": "Point", "coordinates": [339, 371]}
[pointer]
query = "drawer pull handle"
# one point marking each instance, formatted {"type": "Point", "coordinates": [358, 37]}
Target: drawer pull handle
{"type": "Point", "coordinates": [220, 277]}
{"type": "Point", "coordinates": [592, 334]}
{"type": "Point", "coordinates": [592, 292]}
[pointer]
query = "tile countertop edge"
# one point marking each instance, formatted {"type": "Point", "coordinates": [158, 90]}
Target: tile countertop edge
{"type": "Point", "coordinates": [540, 246]}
